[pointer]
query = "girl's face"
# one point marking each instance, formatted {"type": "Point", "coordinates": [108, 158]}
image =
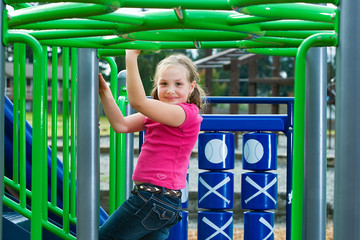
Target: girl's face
{"type": "Point", "coordinates": [173, 85]}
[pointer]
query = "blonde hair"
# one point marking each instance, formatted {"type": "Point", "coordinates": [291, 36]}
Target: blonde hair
{"type": "Point", "coordinates": [196, 97]}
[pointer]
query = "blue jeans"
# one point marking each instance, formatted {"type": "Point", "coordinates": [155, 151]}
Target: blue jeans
{"type": "Point", "coordinates": [145, 216]}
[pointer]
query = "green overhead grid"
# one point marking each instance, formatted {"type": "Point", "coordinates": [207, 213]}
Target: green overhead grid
{"type": "Point", "coordinates": [278, 28]}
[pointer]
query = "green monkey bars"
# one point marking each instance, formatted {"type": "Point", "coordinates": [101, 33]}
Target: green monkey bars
{"type": "Point", "coordinates": [278, 28]}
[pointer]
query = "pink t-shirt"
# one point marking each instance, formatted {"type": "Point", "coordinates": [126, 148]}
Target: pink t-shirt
{"type": "Point", "coordinates": [165, 154]}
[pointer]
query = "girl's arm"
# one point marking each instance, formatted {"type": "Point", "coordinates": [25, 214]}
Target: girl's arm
{"type": "Point", "coordinates": [168, 114]}
{"type": "Point", "coordinates": [118, 122]}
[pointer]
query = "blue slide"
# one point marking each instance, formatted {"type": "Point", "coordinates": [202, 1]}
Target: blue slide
{"type": "Point", "coordinates": [8, 170]}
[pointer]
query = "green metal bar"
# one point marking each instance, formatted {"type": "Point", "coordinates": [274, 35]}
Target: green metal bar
{"type": "Point", "coordinates": [299, 128]}
{"type": "Point", "coordinates": [283, 52]}
{"type": "Point", "coordinates": [39, 144]}
{"type": "Point", "coordinates": [121, 154]}
{"type": "Point", "coordinates": [110, 3]}
{"type": "Point", "coordinates": [270, 42]}
{"type": "Point", "coordinates": [121, 17]}
{"type": "Point", "coordinates": [58, 211]}
{"type": "Point", "coordinates": [111, 52]}
{"type": "Point", "coordinates": [54, 107]}
{"type": "Point", "coordinates": [45, 162]}
{"type": "Point", "coordinates": [73, 131]}
{"type": "Point", "coordinates": [294, 34]}
{"type": "Point", "coordinates": [238, 19]}
{"type": "Point", "coordinates": [311, 12]}
{"type": "Point", "coordinates": [71, 33]}
{"type": "Point", "coordinates": [243, 3]}
{"type": "Point", "coordinates": [187, 35]}
{"type": "Point", "coordinates": [16, 114]}
{"type": "Point", "coordinates": [65, 88]}
{"type": "Point", "coordinates": [184, 4]}
{"type": "Point", "coordinates": [22, 51]}
{"type": "Point", "coordinates": [69, 24]}
{"type": "Point", "coordinates": [55, 11]}
{"type": "Point", "coordinates": [288, 25]}
{"type": "Point", "coordinates": [112, 154]}
{"type": "Point", "coordinates": [28, 214]}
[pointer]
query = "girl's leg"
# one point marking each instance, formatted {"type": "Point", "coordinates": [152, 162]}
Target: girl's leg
{"type": "Point", "coordinates": [143, 214]}
{"type": "Point", "coordinates": [124, 223]}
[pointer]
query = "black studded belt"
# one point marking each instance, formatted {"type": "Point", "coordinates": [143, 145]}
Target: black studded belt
{"type": "Point", "coordinates": [157, 189]}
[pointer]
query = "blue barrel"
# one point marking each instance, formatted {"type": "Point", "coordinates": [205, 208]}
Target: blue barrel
{"type": "Point", "coordinates": [259, 151]}
{"type": "Point", "coordinates": [216, 151]}
{"type": "Point", "coordinates": [215, 225]}
{"type": "Point", "coordinates": [259, 225]}
{"type": "Point", "coordinates": [216, 190]}
{"type": "Point", "coordinates": [185, 194]}
{"type": "Point", "coordinates": [180, 230]}
{"type": "Point", "coordinates": [259, 190]}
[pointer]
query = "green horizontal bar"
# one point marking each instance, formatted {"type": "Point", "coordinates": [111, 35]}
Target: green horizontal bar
{"type": "Point", "coordinates": [184, 4]}
{"type": "Point", "coordinates": [55, 11]}
{"type": "Point", "coordinates": [69, 24]}
{"type": "Point", "coordinates": [109, 3]}
{"type": "Point", "coordinates": [282, 52]}
{"type": "Point", "coordinates": [295, 25]}
{"type": "Point", "coordinates": [192, 19]}
{"type": "Point", "coordinates": [56, 34]}
{"type": "Point", "coordinates": [110, 52]}
{"type": "Point", "coordinates": [57, 231]}
{"type": "Point", "coordinates": [86, 42]}
{"type": "Point", "coordinates": [239, 19]}
{"type": "Point", "coordinates": [186, 35]}
{"type": "Point", "coordinates": [54, 209]}
{"type": "Point", "coordinates": [243, 3]}
{"type": "Point", "coordinates": [310, 12]}
{"type": "Point", "coordinates": [270, 42]}
{"type": "Point", "coordinates": [28, 214]}
{"type": "Point", "coordinates": [293, 34]}
{"type": "Point", "coordinates": [120, 17]}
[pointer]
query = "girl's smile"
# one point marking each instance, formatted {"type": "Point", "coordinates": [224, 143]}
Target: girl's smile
{"type": "Point", "coordinates": [174, 86]}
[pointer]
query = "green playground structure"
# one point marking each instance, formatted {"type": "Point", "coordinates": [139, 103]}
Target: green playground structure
{"type": "Point", "coordinates": [87, 30]}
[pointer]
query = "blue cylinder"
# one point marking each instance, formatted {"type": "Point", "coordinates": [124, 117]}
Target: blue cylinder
{"type": "Point", "coordinates": [216, 190]}
{"type": "Point", "coordinates": [216, 151]}
{"type": "Point", "coordinates": [215, 225]}
{"type": "Point", "coordinates": [180, 230]}
{"type": "Point", "coordinates": [259, 190]}
{"type": "Point", "coordinates": [259, 225]}
{"type": "Point", "coordinates": [259, 151]}
{"type": "Point", "coordinates": [185, 194]}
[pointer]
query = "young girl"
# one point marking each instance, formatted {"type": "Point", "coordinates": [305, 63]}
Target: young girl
{"type": "Point", "coordinates": [172, 123]}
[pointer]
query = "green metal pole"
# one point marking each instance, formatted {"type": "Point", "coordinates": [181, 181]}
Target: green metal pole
{"type": "Point", "coordinates": [121, 156]}
{"type": "Point", "coordinates": [66, 139]}
{"type": "Point", "coordinates": [324, 39]}
{"type": "Point", "coordinates": [22, 51]}
{"type": "Point", "coordinates": [16, 114]}
{"type": "Point", "coordinates": [54, 107]}
{"type": "Point", "coordinates": [39, 144]}
{"type": "Point", "coordinates": [45, 163]}
{"type": "Point", "coordinates": [73, 130]}
{"type": "Point", "coordinates": [112, 156]}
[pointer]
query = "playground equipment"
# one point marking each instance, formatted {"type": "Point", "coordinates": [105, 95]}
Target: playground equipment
{"type": "Point", "coordinates": [281, 28]}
